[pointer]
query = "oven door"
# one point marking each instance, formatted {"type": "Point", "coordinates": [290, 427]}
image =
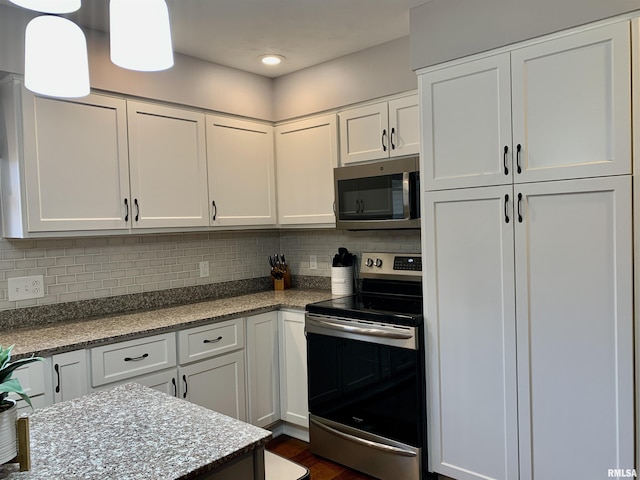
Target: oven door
{"type": "Point", "coordinates": [366, 376]}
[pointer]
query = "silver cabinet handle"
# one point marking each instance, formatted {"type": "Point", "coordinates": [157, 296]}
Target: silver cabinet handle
{"type": "Point", "coordinates": [378, 446]}
{"type": "Point", "coordinates": [374, 332]}
{"type": "Point", "coordinates": [215, 340]}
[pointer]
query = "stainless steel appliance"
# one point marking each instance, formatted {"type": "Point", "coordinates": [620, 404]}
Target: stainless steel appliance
{"type": "Point", "coordinates": [365, 357]}
{"type": "Point", "coordinates": [379, 195]}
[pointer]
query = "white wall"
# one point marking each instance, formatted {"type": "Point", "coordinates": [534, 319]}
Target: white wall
{"type": "Point", "coordinates": [360, 76]}
{"type": "Point", "coordinates": [190, 82]}
{"type": "Point", "coordinates": [443, 30]}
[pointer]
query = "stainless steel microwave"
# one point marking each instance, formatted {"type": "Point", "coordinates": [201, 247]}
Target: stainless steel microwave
{"type": "Point", "coordinates": [378, 195]}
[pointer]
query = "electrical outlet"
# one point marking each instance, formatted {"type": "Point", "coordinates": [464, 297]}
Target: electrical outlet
{"type": "Point", "coordinates": [204, 268]}
{"type": "Point", "coordinates": [24, 288]}
{"type": "Point", "coordinates": [313, 262]}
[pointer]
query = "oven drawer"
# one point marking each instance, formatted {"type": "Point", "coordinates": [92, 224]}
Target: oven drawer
{"type": "Point", "coordinates": [371, 454]}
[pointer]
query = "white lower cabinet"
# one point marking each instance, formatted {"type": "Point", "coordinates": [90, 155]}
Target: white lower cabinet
{"type": "Point", "coordinates": [217, 379]}
{"type": "Point", "coordinates": [165, 382]}
{"type": "Point", "coordinates": [263, 378]}
{"type": "Point", "coordinates": [530, 347]}
{"type": "Point", "coordinates": [217, 383]}
{"type": "Point", "coordinates": [33, 381]}
{"type": "Point", "coordinates": [294, 404]}
{"type": "Point", "coordinates": [69, 373]}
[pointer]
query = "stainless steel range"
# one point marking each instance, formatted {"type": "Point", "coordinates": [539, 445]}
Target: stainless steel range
{"type": "Point", "coordinates": [365, 357]}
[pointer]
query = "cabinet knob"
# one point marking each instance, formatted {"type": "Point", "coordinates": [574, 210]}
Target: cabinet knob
{"type": "Point", "coordinates": [126, 215]}
{"type": "Point", "coordinates": [518, 150]}
{"type": "Point", "coordinates": [393, 134]}
{"type": "Point", "coordinates": [384, 136]}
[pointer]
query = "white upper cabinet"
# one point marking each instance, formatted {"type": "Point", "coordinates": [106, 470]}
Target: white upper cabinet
{"type": "Point", "coordinates": [404, 126]}
{"type": "Point", "coordinates": [571, 106]}
{"type": "Point", "coordinates": [241, 172]}
{"type": "Point", "coordinates": [168, 161]}
{"type": "Point", "coordinates": [65, 163]}
{"type": "Point", "coordinates": [466, 124]}
{"type": "Point", "coordinates": [306, 154]}
{"type": "Point", "coordinates": [554, 110]}
{"type": "Point", "coordinates": [381, 130]}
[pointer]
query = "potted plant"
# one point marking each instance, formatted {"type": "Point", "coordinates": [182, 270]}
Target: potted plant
{"type": "Point", "coordinates": [8, 408]}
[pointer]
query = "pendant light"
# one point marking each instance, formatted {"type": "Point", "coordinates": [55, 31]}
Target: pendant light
{"type": "Point", "coordinates": [140, 35]}
{"type": "Point", "coordinates": [49, 6]}
{"type": "Point", "coordinates": [56, 61]}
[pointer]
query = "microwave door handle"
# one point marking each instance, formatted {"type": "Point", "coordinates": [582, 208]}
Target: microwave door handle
{"type": "Point", "coordinates": [406, 207]}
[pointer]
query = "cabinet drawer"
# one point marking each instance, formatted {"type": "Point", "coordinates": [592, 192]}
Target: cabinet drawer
{"type": "Point", "coordinates": [210, 340]}
{"type": "Point", "coordinates": [119, 361]}
{"type": "Point", "coordinates": [31, 377]}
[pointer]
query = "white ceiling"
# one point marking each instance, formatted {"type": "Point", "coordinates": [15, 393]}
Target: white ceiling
{"type": "Point", "coordinates": [307, 32]}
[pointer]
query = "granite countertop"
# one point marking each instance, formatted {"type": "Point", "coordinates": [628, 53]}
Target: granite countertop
{"type": "Point", "coordinates": [132, 432]}
{"type": "Point", "coordinates": [66, 336]}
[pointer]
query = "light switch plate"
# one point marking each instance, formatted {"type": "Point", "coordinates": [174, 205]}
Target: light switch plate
{"type": "Point", "coordinates": [204, 268]}
{"type": "Point", "coordinates": [313, 262]}
{"type": "Point", "coordinates": [24, 288]}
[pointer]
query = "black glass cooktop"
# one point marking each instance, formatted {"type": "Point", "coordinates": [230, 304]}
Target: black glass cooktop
{"type": "Point", "coordinates": [392, 309]}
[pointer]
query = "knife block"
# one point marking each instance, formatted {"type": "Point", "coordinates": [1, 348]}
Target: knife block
{"type": "Point", "coordinates": [278, 283]}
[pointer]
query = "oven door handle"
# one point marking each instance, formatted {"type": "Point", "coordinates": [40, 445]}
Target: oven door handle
{"type": "Point", "coordinates": [374, 332]}
{"type": "Point", "coordinates": [362, 441]}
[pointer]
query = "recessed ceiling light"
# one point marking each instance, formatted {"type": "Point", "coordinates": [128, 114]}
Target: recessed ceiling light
{"type": "Point", "coordinates": [271, 59]}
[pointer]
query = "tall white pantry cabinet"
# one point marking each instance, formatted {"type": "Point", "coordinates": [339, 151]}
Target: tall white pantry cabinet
{"type": "Point", "coordinates": [527, 239]}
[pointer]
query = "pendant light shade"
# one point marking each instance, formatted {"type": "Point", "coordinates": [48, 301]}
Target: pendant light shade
{"type": "Point", "coordinates": [140, 35]}
{"type": "Point", "coordinates": [49, 6]}
{"type": "Point", "coordinates": [56, 61]}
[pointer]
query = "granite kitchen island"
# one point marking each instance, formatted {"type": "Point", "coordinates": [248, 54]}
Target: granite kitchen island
{"type": "Point", "coordinates": [137, 433]}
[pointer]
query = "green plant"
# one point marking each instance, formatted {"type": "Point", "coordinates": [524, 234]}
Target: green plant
{"type": "Point", "coordinates": [7, 367]}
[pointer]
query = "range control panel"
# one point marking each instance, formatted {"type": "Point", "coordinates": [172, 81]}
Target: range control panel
{"type": "Point", "coordinates": [387, 265]}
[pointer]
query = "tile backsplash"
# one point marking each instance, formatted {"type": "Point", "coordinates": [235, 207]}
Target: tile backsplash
{"type": "Point", "coordinates": [88, 268]}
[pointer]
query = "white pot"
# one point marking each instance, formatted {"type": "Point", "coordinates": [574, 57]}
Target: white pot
{"type": "Point", "coordinates": [8, 438]}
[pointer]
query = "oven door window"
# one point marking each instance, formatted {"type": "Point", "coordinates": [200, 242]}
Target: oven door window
{"type": "Point", "coordinates": [372, 198]}
{"type": "Point", "coordinates": [371, 387]}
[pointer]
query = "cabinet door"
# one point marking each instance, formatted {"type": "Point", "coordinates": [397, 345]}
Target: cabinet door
{"type": "Point", "coordinates": [165, 382]}
{"type": "Point", "coordinates": [575, 334]}
{"type": "Point", "coordinates": [241, 172]}
{"type": "Point", "coordinates": [470, 315]}
{"type": "Point", "coordinates": [571, 105]}
{"type": "Point", "coordinates": [263, 379]}
{"type": "Point", "coordinates": [466, 124]}
{"type": "Point", "coordinates": [404, 126]}
{"type": "Point", "coordinates": [293, 367]}
{"type": "Point", "coordinates": [306, 154]}
{"type": "Point", "coordinates": [69, 373]}
{"type": "Point", "coordinates": [364, 134]}
{"type": "Point", "coordinates": [167, 154]}
{"type": "Point", "coordinates": [76, 163]}
{"type": "Point", "coordinates": [217, 384]}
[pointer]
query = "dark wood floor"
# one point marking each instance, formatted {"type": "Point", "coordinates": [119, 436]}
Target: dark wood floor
{"type": "Point", "coordinates": [320, 468]}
